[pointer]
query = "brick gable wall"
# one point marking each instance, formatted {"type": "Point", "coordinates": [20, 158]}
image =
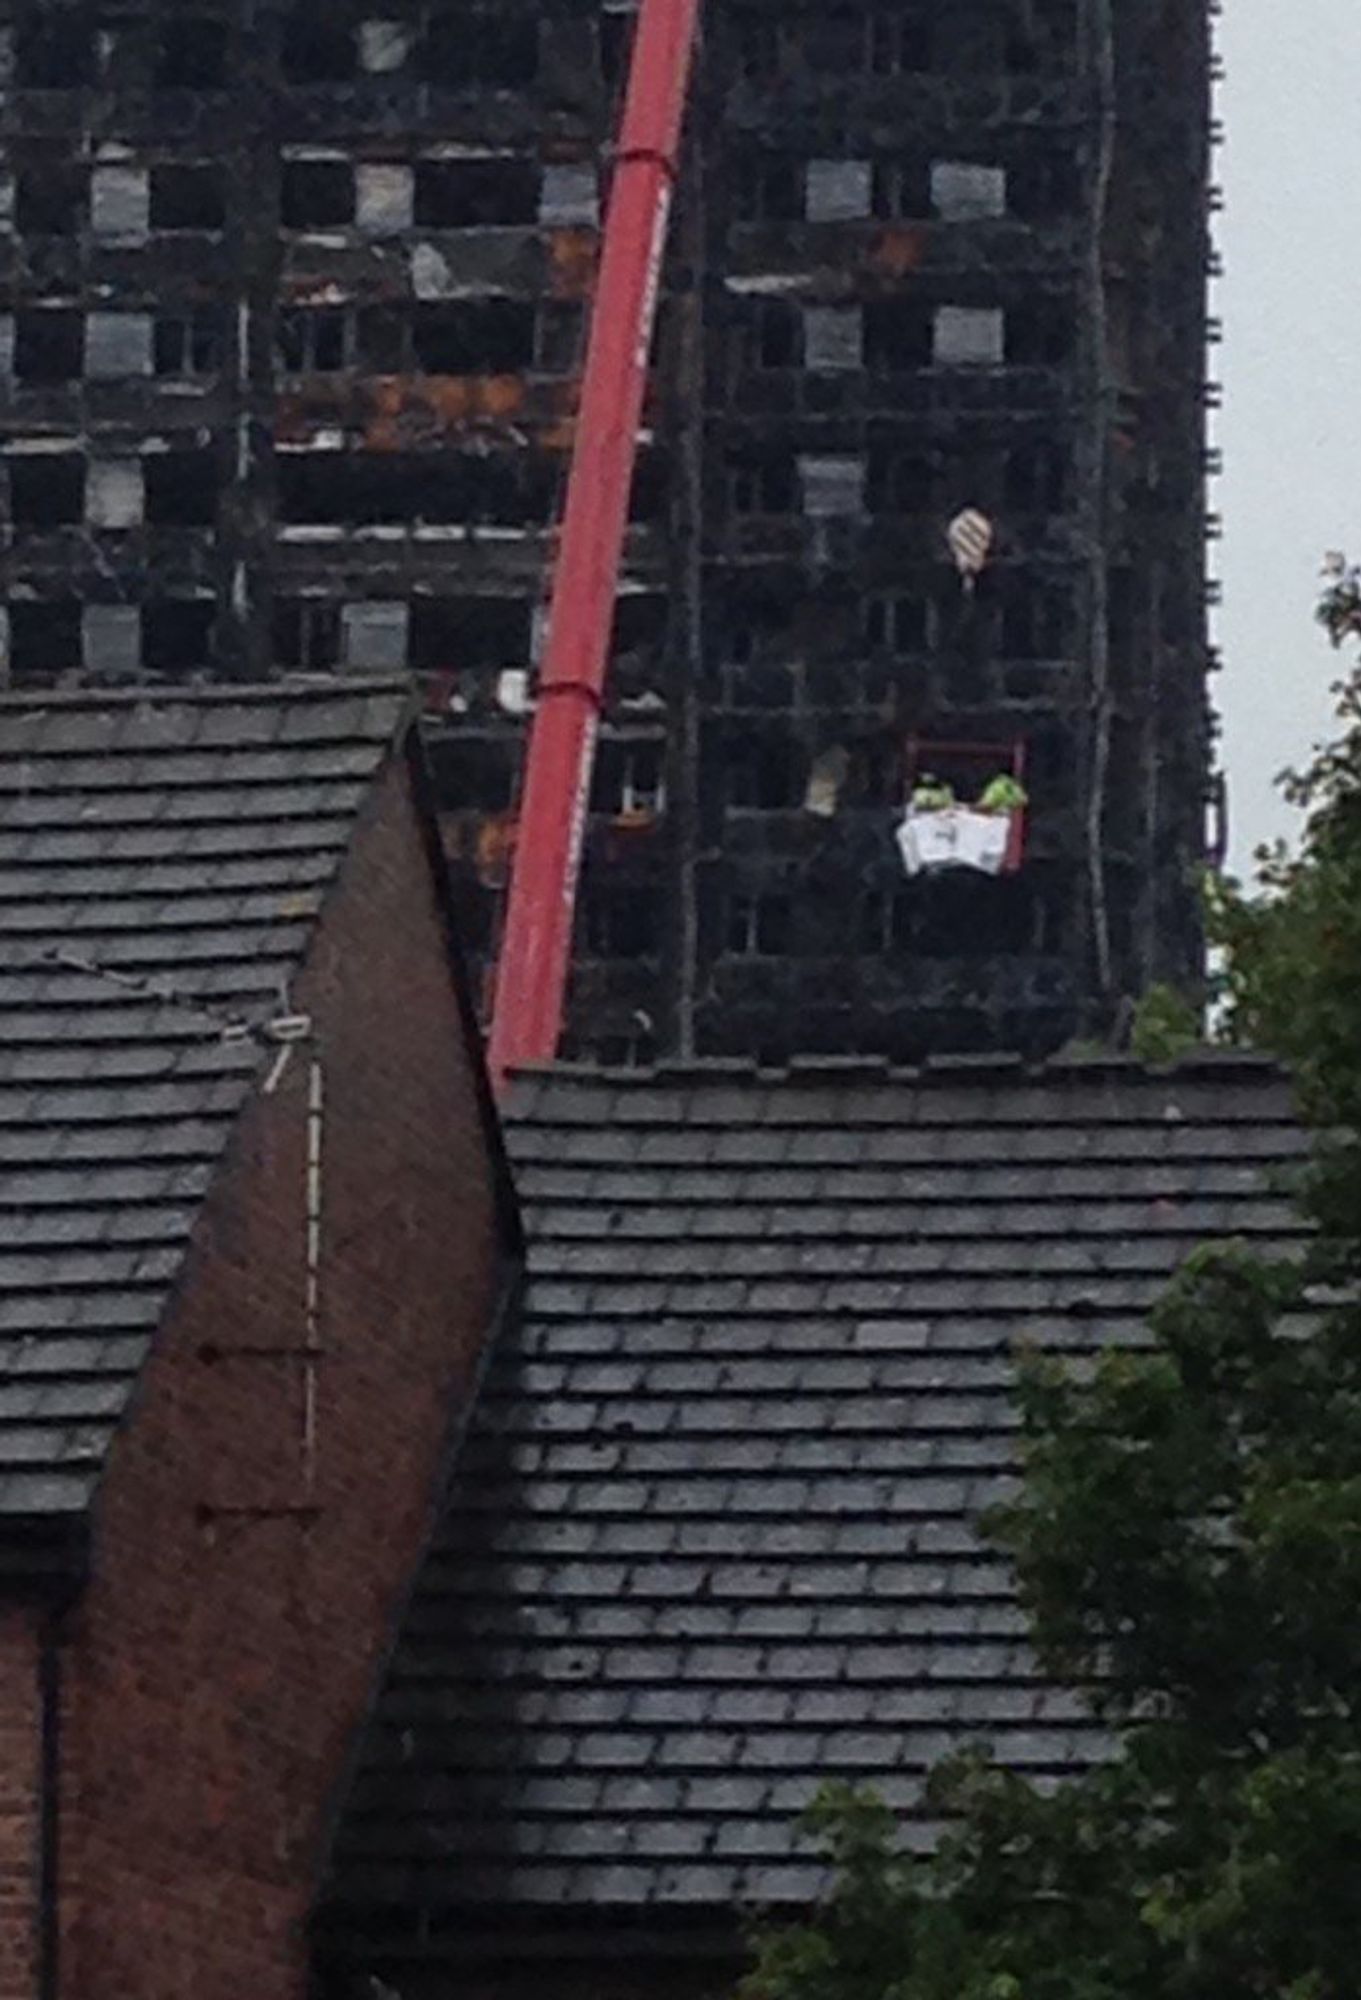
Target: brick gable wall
{"type": "Point", "coordinates": [239, 1606]}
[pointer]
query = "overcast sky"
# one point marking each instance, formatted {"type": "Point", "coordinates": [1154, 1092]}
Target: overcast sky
{"type": "Point", "coordinates": [1291, 426]}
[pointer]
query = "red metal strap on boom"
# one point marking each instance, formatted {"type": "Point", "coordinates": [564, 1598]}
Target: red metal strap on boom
{"type": "Point", "coordinates": [531, 979]}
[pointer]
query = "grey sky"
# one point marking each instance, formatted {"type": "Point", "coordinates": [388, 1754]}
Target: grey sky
{"type": "Point", "coordinates": [1291, 427]}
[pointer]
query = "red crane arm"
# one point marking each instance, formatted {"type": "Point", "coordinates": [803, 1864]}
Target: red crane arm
{"type": "Point", "coordinates": [531, 980]}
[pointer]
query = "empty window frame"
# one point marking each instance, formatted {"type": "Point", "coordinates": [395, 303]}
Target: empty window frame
{"type": "Point", "coordinates": [469, 634]}
{"type": "Point", "coordinates": [51, 200]}
{"type": "Point", "coordinates": [181, 489]}
{"type": "Point", "coordinates": [54, 49]}
{"type": "Point", "coordinates": [475, 194]}
{"type": "Point", "coordinates": [899, 42]}
{"type": "Point", "coordinates": [188, 197]}
{"type": "Point", "coordinates": [763, 485]}
{"type": "Point", "coordinates": [769, 189]}
{"type": "Point", "coordinates": [775, 331]}
{"type": "Point", "coordinates": [1041, 332]}
{"type": "Point", "coordinates": [317, 47]}
{"type": "Point", "coordinates": [190, 53]}
{"type": "Point", "coordinates": [1044, 185]}
{"type": "Point", "coordinates": [900, 482]}
{"type": "Point", "coordinates": [898, 623]}
{"type": "Point", "coordinates": [629, 777]}
{"type": "Point", "coordinates": [190, 343]}
{"type": "Point", "coordinates": [559, 337]}
{"type": "Point", "coordinates": [318, 194]}
{"type": "Point", "coordinates": [493, 336]}
{"type": "Point", "coordinates": [177, 635]}
{"type": "Point", "coordinates": [305, 634]}
{"type": "Point", "coordinates": [621, 921]}
{"type": "Point", "coordinates": [1037, 620]}
{"type": "Point", "coordinates": [44, 639]}
{"type": "Point", "coordinates": [898, 335]}
{"type": "Point", "coordinates": [49, 346]}
{"type": "Point", "coordinates": [314, 340]}
{"type": "Point", "coordinates": [46, 489]}
{"type": "Point", "coordinates": [760, 924]}
{"type": "Point", "coordinates": [488, 46]}
{"type": "Point", "coordinates": [901, 190]}
{"type": "Point", "coordinates": [1037, 478]}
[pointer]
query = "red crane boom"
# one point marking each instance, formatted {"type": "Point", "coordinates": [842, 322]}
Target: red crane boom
{"type": "Point", "coordinates": [531, 980]}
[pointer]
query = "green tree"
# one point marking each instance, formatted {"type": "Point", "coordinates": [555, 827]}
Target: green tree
{"type": "Point", "coordinates": [1187, 1538]}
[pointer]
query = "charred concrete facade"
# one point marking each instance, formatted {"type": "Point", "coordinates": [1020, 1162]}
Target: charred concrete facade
{"type": "Point", "coordinates": [293, 316]}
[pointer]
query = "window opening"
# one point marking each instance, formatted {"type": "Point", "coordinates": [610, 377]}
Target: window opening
{"type": "Point", "coordinates": [898, 335]}
{"type": "Point", "coordinates": [318, 49]}
{"type": "Point", "coordinates": [1040, 333]}
{"type": "Point", "coordinates": [493, 335]}
{"type": "Point", "coordinates": [900, 482]}
{"type": "Point", "coordinates": [51, 201]}
{"type": "Point", "coordinates": [558, 337]}
{"type": "Point", "coordinates": [622, 921]}
{"type": "Point", "coordinates": [463, 49]}
{"type": "Point", "coordinates": [769, 190]}
{"type": "Point", "coordinates": [777, 335]}
{"type": "Point", "coordinates": [189, 343]}
{"type": "Point", "coordinates": [47, 489]}
{"type": "Point", "coordinates": [44, 639]}
{"type": "Point", "coordinates": [898, 624]}
{"type": "Point", "coordinates": [760, 925]}
{"type": "Point", "coordinates": [1037, 479]}
{"type": "Point", "coordinates": [469, 634]}
{"type": "Point", "coordinates": [763, 486]}
{"type": "Point", "coordinates": [181, 489]}
{"type": "Point", "coordinates": [965, 806]}
{"type": "Point", "coordinates": [313, 340]}
{"type": "Point", "coordinates": [629, 781]}
{"type": "Point", "coordinates": [191, 54]}
{"type": "Point", "coordinates": [899, 43]}
{"type": "Point", "coordinates": [49, 346]}
{"type": "Point", "coordinates": [177, 635]}
{"type": "Point", "coordinates": [474, 194]}
{"type": "Point", "coordinates": [55, 50]}
{"type": "Point", "coordinates": [306, 634]}
{"type": "Point", "coordinates": [317, 194]}
{"type": "Point", "coordinates": [192, 197]}
{"type": "Point", "coordinates": [901, 190]}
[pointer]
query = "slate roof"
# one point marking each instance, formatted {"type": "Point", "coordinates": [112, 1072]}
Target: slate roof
{"type": "Point", "coordinates": [711, 1535]}
{"type": "Point", "coordinates": [162, 860]}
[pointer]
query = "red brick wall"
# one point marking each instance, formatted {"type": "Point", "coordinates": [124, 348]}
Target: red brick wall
{"type": "Point", "coordinates": [20, 1800]}
{"type": "Point", "coordinates": [223, 1657]}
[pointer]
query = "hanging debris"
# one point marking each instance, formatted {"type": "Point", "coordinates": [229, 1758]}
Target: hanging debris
{"type": "Point", "coordinates": [971, 536]}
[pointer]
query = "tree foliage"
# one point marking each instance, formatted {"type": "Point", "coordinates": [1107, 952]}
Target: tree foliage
{"type": "Point", "coordinates": [1187, 1537]}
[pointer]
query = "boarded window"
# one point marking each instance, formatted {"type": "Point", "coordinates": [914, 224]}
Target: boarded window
{"type": "Point", "coordinates": [961, 192]}
{"type": "Point", "coordinates": [384, 198]}
{"type": "Point", "coordinates": [969, 337]}
{"type": "Point", "coordinates": [833, 338]}
{"type": "Point", "coordinates": [838, 190]}
{"type": "Point", "coordinates": [115, 495]}
{"type": "Point", "coordinates": [112, 641]}
{"type": "Point", "coordinates": [833, 484]}
{"type": "Point", "coordinates": [374, 636]}
{"type": "Point", "coordinates": [569, 195]}
{"type": "Point", "coordinates": [383, 46]}
{"type": "Point", "coordinates": [118, 345]}
{"type": "Point", "coordinates": [120, 202]}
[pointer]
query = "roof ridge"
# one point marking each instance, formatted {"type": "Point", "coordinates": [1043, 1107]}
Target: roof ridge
{"type": "Point", "coordinates": [301, 687]}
